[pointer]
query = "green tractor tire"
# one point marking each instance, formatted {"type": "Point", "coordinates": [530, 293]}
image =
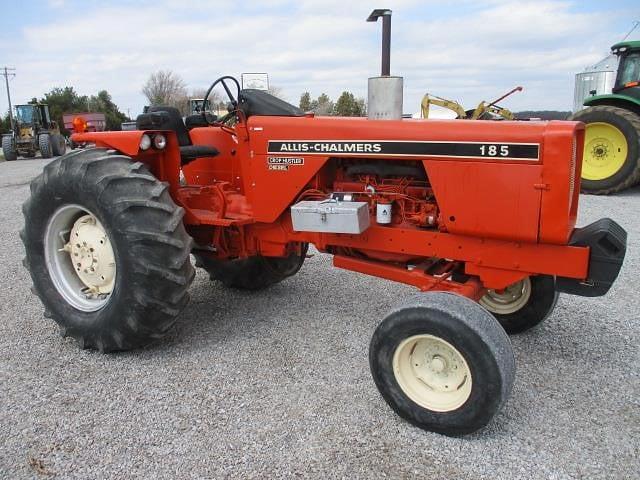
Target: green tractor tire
{"type": "Point", "coordinates": [611, 160]}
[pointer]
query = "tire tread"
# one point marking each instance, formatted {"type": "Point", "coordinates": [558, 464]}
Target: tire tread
{"type": "Point", "coordinates": [634, 120]}
{"type": "Point", "coordinates": [147, 220]}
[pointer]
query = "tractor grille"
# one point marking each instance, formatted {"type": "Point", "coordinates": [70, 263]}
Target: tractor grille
{"type": "Point", "coordinates": [572, 169]}
{"type": "Point", "coordinates": [574, 173]}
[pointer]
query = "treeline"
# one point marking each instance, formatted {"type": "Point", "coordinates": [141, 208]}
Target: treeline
{"type": "Point", "coordinates": [347, 105]}
{"type": "Point", "coordinates": [67, 100]}
{"type": "Point", "coordinates": [166, 87]}
{"type": "Point", "coordinates": [543, 114]}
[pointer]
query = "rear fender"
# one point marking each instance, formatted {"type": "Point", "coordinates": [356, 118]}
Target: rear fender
{"type": "Point", "coordinates": [127, 142]}
{"type": "Point", "coordinates": [164, 164]}
{"type": "Point", "coordinates": [615, 100]}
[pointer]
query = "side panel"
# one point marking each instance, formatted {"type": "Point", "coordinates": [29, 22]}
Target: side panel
{"type": "Point", "coordinates": [223, 167]}
{"type": "Point", "coordinates": [270, 191]}
{"type": "Point", "coordinates": [487, 199]}
{"type": "Point", "coordinates": [479, 189]}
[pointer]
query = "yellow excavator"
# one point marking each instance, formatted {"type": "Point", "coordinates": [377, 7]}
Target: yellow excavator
{"type": "Point", "coordinates": [484, 110]}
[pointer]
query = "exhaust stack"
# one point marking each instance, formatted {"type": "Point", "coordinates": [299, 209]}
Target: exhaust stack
{"type": "Point", "coordinates": [384, 92]}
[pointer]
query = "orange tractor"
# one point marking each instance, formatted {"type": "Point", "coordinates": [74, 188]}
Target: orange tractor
{"type": "Point", "coordinates": [478, 216]}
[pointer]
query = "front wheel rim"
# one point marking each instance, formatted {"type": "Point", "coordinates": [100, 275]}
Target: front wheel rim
{"type": "Point", "coordinates": [605, 151]}
{"type": "Point", "coordinates": [432, 373]}
{"type": "Point", "coordinates": [80, 258]}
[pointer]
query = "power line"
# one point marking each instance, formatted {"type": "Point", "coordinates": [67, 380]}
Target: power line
{"type": "Point", "coordinates": [6, 73]}
{"type": "Point", "coordinates": [635, 25]}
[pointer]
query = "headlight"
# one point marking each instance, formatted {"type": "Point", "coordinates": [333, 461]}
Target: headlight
{"type": "Point", "coordinates": [145, 142]}
{"type": "Point", "coordinates": [159, 141]}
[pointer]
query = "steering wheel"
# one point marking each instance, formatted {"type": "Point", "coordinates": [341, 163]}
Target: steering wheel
{"type": "Point", "coordinates": [223, 81]}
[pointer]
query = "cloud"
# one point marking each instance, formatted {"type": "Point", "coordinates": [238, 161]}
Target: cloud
{"type": "Point", "coordinates": [468, 51]}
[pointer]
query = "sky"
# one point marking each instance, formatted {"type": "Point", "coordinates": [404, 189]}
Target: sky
{"type": "Point", "coordinates": [464, 50]}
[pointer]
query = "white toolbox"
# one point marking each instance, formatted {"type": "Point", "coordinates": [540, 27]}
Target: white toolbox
{"type": "Point", "coordinates": [330, 216]}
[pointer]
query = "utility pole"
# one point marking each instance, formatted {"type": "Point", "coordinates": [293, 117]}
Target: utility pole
{"type": "Point", "coordinates": [7, 72]}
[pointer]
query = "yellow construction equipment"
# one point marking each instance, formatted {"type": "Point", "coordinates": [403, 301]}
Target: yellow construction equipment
{"type": "Point", "coordinates": [484, 110]}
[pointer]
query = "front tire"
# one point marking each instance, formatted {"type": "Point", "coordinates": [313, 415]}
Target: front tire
{"type": "Point", "coordinates": [611, 159]}
{"type": "Point", "coordinates": [9, 149]}
{"type": "Point", "coordinates": [106, 249]}
{"type": "Point", "coordinates": [443, 363]}
{"type": "Point", "coordinates": [523, 305]}
{"type": "Point", "coordinates": [44, 144]}
{"type": "Point", "coordinates": [58, 145]}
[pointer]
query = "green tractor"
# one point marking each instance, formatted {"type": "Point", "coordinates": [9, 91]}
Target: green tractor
{"type": "Point", "coordinates": [611, 159]}
{"type": "Point", "coordinates": [33, 130]}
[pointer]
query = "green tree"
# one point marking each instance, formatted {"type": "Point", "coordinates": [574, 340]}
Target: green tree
{"type": "Point", "coordinates": [350, 106]}
{"type": "Point", "coordinates": [346, 105]}
{"type": "Point", "coordinates": [362, 107]}
{"type": "Point", "coordinates": [64, 100]}
{"type": "Point", "coordinates": [323, 106]}
{"type": "Point", "coordinates": [103, 103]}
{"type": "Point", "coordinates": [5, 123]}
{"type": "Point", "coordinates": [305, 102]}
{"type": "Point", "coordinates": [67, 100]}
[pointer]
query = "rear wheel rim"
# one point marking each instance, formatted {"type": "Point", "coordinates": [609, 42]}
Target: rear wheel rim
{"type": "Point", "coordinates": [432, 373]}
{"type": "Point", "coordinates": [605, 151]}
{"type": "Point", "coordinates": [80, 258]}
{"type": "Point", "coordinates": [509, 300]}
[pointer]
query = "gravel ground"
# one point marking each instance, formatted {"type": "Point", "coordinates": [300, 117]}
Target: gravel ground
{"type": "Point", "coordinates": [277, 383]}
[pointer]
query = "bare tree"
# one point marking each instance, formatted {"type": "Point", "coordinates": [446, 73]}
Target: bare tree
{"type": "Point", "coordinates": [216, 101]}
{"type": "Point", "coordinates": [165, 87]}
{"type": "Point", "coordinates": [276, 92]}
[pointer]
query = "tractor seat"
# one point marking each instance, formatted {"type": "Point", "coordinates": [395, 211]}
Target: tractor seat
{"type": "Point", "coordinates": [199, 120]}
{"type": "Point", "coordinates": [169, 118]}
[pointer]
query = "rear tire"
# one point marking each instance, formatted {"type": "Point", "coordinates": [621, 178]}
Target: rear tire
{"type": "Point", "coordinates": [151, 267]}
{"type": "Point", "coordinates": [609, 166]}
{"type": "Point", "coordinates": [44, 144]}
{"type": "Point", "coordinates": [443, 363]}
{"type": "Point", "coordinates": [523, 305]}
{"type": "Point", "coordinates": [252, 273]}
{"type": "Point", "coordinates": [8, 148]}
{"type": "Point", "coordinates": [58, 145]}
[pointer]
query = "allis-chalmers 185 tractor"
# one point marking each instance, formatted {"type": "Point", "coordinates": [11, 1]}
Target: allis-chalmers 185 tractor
{"type": "Point", "coordinates": [479, 215]}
